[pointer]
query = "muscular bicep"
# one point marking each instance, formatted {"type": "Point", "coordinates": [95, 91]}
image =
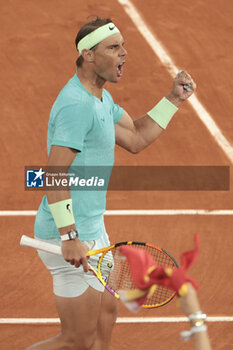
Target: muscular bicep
{"type": "Point", "coordinates": [135, 135]}
{"type": "Point", "coordinates": [125, 131]}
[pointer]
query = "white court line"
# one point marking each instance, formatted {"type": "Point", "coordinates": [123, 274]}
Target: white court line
{"type": "Point", "coordinates": [119, 320]}
{"type": "Point", "coordinates": [152, 212]}
{"type": "Point", "coordinates": [166, 60]}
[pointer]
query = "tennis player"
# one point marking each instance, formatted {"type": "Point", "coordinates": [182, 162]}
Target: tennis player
{"type": "Point", "coordinates": [84, 126]}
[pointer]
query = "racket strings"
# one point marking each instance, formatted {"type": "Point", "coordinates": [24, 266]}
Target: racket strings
{"type": "Point", "coordinates": [118, 276]}
{"type": "Point", "coordinates": [161, 293]}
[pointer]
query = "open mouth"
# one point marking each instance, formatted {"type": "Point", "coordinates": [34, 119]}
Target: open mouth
{"type": "Point", "coordinates": [120, 69]}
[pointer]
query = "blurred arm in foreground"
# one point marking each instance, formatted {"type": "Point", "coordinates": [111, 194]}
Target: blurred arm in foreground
{"type": "Point", "coordinates": [190, 305]}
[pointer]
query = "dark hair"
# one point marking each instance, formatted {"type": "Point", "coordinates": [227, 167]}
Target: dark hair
{"type": "Point", "coordinates": [86, 29]}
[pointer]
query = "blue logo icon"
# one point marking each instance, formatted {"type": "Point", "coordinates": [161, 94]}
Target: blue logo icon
{"type": "Point", "coordinates": [35, 178]}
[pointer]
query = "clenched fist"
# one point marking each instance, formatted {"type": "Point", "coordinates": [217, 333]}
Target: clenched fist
{"type": "Point", "coordinates": [183, 88]}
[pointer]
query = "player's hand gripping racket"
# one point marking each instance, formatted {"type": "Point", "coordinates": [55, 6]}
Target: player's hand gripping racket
{"type": "Point", "coordinates": [117, 267]}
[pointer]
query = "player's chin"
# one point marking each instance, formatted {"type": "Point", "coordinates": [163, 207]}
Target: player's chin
{"type": "Point", "coordinates": [115, 79]}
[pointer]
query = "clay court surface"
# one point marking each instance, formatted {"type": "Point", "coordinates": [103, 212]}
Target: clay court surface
{"type": "Point", "coordinates": [37, 58]}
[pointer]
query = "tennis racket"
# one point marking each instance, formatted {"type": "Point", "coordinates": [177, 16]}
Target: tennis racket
{"type": "Point", "coordinates": [113, 270]}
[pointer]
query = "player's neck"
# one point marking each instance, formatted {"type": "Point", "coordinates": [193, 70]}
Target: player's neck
{"type": "Point", "coordinates": [91, 82]}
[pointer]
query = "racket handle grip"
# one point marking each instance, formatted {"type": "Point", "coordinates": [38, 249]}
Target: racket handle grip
{"type": "Point", "coordinates": [41, 245]}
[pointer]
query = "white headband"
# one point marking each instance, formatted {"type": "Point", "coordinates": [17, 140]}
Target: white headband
{"type": "Point", "coordinates": [95, 37]}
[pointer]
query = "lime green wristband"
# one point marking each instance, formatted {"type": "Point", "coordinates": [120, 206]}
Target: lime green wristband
{"type": "Point", "coordinates": [62, 213]}
{"type": "Point", "coordinates": [163, 112]}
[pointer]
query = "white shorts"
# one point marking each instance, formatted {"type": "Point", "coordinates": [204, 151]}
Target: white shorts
{"type": "Point", "coordinates": [68, 280]}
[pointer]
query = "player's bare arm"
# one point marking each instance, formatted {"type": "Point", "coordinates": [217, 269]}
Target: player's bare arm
{"type": "Point", "coordinates": [135, 135]}
{"type": "Point", "coordinates": [74, 251]}
{"type": "Point", "coordinates": [190, 306]}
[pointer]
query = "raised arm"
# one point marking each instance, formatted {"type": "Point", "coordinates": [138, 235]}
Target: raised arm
{"type": "Point", "coordinates": [135, 135]}
{"type": "Point", "coordinates": [190, 306]}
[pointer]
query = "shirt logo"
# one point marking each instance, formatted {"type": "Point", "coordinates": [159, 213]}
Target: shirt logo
{"type": "Point", "coordinates": [111, 27]}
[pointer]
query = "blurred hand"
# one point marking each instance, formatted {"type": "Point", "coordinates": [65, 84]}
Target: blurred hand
{"type": "Point", "coordinates": [189, 303]}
